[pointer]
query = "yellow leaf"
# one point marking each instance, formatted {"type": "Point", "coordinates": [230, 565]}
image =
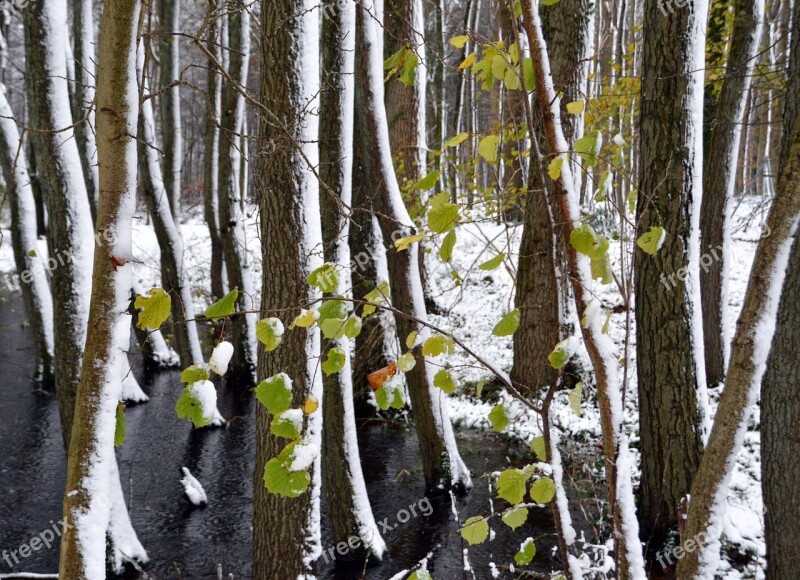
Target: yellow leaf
{"type": "Point", "coordinates": [154, 309]}
{"type": "Point", "coordinates": [305, 319]}
{"type": "Point", "coordinates": [310, 405]}
{"type": "Point", "coordinates": [488, 148]}
{"type": "Point", "coordinates": [468, 61]}
{"type": "Point", "coordinates": [576, 107]}
{"type": "Point", "coordinates": [405, 243]}
{"type": "Point", "coordinates": [459, 41]}
{"type": "Point", "coordinates": [554, 168]}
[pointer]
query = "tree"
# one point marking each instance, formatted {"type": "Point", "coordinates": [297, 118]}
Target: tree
{"type": "Point", "coordinates": [443, 466]}
{"type": "Point", "coordinates": [231, 215]}
{"type": "Point", "coordinates": [34, 285]}
{"type": "Point", "coordinates": [172, 130]}
{"type": "Point", "coordinates": [286, 537]}
{"type": "Point", "coordinates": [669, 344]}
{"type": "Point", "coordinates": [719, 179]}
{"type": "Point", "coordinates": [91, 469]}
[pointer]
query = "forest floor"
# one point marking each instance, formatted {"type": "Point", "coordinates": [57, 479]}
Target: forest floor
{"type": "Point", "coordinates": [470, 309]}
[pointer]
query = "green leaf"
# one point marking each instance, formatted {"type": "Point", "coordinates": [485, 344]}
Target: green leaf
{"type": "Point", "coordinates": [189, 407]}
{"type": "Point", "coordinates": [279, 480]}
{"type": "Point", "coordinates": [333, 309]}
{"type": "Point", "coordinates": [389, 397]}
{"type": "Point", "coordinates": [516, 517]}
{"type": "Point", "coordinates": [651, 241]}
{"type": "Point", "coordinates": [538, 447]}
{"type": "Point", "coordinates": [275, 393]}
{"type": "Point", "coordinates": [511, 485]}
{"type": "Point", "coordinates": [375, 296]}
{"type": "Point", "coordinates": [456, 140]}
{"type": "Point", "coordinates": [437, 345]}
{"type": "Point", "coordinates": [583, 239]}
{"type": "Point", "coordinates": [443, 218]}
{"type": "Point", "coordinates": [223, 307]}
{"type": "Point", "coordinates": [195, 373]}
{"type": "Point", "coordinates": [498, 66]}
{"type": "Point", "coordinates": [508, 325]}
{"type": "Point", "coordinates": [498, 418]}
{"type": "Point", "coordinates": [554, 167]}
{"type": "Point", "coordinates": [409, 70]}
{"type": "Point", "coordinates": [487, 148]}
{"type": "Point", "coordinates": [428, 181]}
{"type": "Point", "coordinates": [285, 424]}
{"type": "Point", "coordinates": [406, 362]}
{"type": "Point", "coordinates": [449, 242]}
{"type": "Point", "coordinates": [575, 398]}
{"type": "Point", "coordinates": [421, 575]}
{"type": "Point", "coordinates": [493, 263]}
{"type": "Point", "coordinates": [512, 80]}
{"type": "Point", "coordinates": [528, 549]}
{"type": "Point", "coordinates": [154, 309]}
{"type": "Point", "coordinates": [335, 361]}
{"type": "Point", "coordinates": [305, 319]}
{"type": "Point", "coordinates": [444, 381]}
{"type": "Point", "coordinates": [119, 425]}
{"type": "Point", "coordinates": [405, 243]}
{"type": "Point", "coordinates": [588, 147]}
{"type": "Point", "coordinates": [475, 530]}
{"type": "Point", "coordinates": [459, 41]}
{"type": "Point", "coordinates": [543, 490]}
{"type": "Point", "coordinates": [352, 327]}
{"type": "Point", "coordinates": [560, 355]}
{"type": "Point", "coordinates": [333, 328]}
{"type": "Point", "coordinates": [529, 73]}
{"type": "Point", "coordinates": [601, 269]}
{"type": "Point", "coordinates": [269, 332]}
{"type": "Point", "coordinates": [325, 278]}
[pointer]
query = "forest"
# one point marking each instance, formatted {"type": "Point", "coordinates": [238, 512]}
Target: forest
{"type": "Point", "coordinates": [399, 289]}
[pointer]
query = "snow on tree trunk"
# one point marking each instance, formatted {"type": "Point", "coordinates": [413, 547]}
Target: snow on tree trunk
{"type": "Point", "coordinates": [172, 130]}
{"type": "Point", "coordinates": [92, 494]}
{"type": "Point", "coordinates": [70, 239]}
{"type": "Point", "coordinates": [30, 265]}
{"type": "Point", "coordinates": [442, 464]}
{"type": "Point", "coordinates": [628, 551]}
{"type": "Point", "coordinates": [169, 237]}
{"type": "Point", "coordinates": [343, 481]}
{"type": "Point", "coordinates": [286, 531]}
{"type": "Point", "coordinates": [231, 215]}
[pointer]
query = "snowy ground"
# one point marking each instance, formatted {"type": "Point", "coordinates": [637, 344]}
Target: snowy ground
{"type": "Point", "coordinates": [471, 310]}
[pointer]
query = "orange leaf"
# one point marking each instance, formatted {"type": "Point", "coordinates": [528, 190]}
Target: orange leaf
{"type": "Point", "coordinates": [379, 377]}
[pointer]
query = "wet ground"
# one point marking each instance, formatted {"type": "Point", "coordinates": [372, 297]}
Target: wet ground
{"type": "Point", "coordinates": [186, 542]}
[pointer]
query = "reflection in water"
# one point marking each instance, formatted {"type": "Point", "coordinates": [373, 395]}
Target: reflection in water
{"type": "Point", "coordinates": [186, 542]}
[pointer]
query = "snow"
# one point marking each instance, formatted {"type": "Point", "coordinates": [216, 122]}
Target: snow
{"type": "Point", "coordinates": [193, 488]}
{"type": "Point", "coordinates": [220, 357]}
{"type": "Point", "coordinates": [131, 390]}
{"type": "Point", "coordinates": [305, 453]}
{"type": "Point", "coordinates": [206, 395]}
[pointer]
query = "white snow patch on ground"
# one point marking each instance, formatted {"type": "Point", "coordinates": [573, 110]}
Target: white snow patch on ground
{"type": "Point", "coordinates": [193, 488]}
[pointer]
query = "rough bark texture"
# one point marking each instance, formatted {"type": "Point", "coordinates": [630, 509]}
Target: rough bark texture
{"type": "Point", "coordinates": [91, 468]}
{"type": "Point", "coordinates": [749, 352]}
{"type": "Point", "coordinates": [286, 531]}
{"type": "Point", "coordinates": [61, 178]}
{"type": "Point", "coordinates": [231, 214]}
{"type": "Point", "coordinates": [172, 134]}
{"type": "Point", "coordinates": [718, 182]}
{"type": "Point", "coordinates": [670, 378]}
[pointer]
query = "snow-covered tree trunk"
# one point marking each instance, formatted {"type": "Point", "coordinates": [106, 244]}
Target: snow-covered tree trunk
{"type": "Point", "coordinates": [70, 240]}
{"type": "Point", "coordinates": [286, 531]}
{"type": "Point", "coordinates": [669, 338]}
{"type": "Point", "coordinates": [231, 215]}
{"type": "Point", "coordinates": [751, 344]}
{"type": "Point", "coordinates": [171, 129]}
{"type": "Point", "coordinates": [30, 265]}
{"type": "Point", "coordinates": [83, 31]}
{"type": "Point", "coordinates": [442, 464]}
{"type": "Point", "coordinates": [343, 481]}
{"type": "Point", "coordinates": [173, 275]}
{"type": "Point", "coordinates": [718, 185]}
{"type": "Point", "coordinates": [92, 475]}
{"type": "Point", "coordinates": [618, 460]}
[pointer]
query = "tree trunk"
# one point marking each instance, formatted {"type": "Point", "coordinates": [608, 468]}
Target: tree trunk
{"type": "Point", "coordinates": [231, 215]}
{"type": "Point", "coordinates": [669, 344]}
{"type": "Point", "coordinates": [91, 468]}
{"type": "Point", "coordinates": [171, 130]}
{"type": "Point", "coordinates": [718, 185]}
{"type": "Point", "coordinates": [754, 333]}
{"type": "Point", "coordinates": [59, 167]}
{"type": "Point", "coordinates": [30, 265]}
{"type": "Point", "coordinates": [441, 462]}
{"type": "Point", "coordinates": [286, 539]}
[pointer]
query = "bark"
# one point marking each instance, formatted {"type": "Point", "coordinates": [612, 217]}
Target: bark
{"type": "Point", "coordinates": [286, 538]}
{"type": "Point", "coordinates": [231, 214]}
{"type": "Point", "coordinates": [669, 349]}
{"type": "Point", "coordinates": [170, 241]}
{"type": "Point", "coordinates": [718, 184]}
{"type": "Point", "coordinates": [441, 462]}
{"type": "Point", "coordinates": [211, 173]}
{"type": "Point", "coordinates": [618, 463]}
{"type": "Point", "coordinates": [83, 29]}
{"type": "Point", "coordinates": [91, 468]}
{"type": "Point", "coordinates": [59, 169]}
{"type": "Point", "coordinates": [172, 132]}
{"type": "Point", "coordinates": [754, 333]}
{"type": "Point", "coordinates": [24, 240]}
{"type": "Point", "coordinates": [343, 481]}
